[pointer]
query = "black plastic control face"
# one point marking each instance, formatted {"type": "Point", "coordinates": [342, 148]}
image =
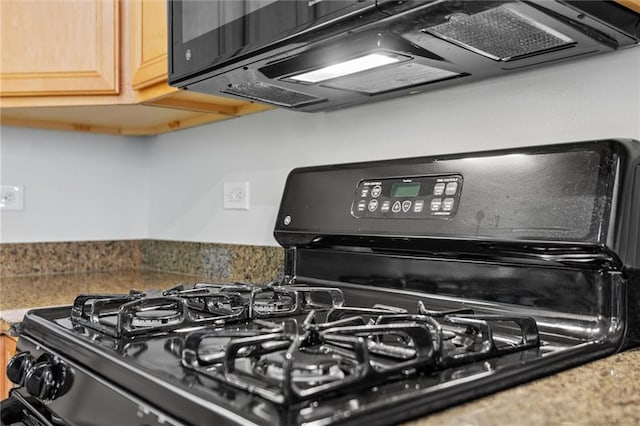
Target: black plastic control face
{"type": "Point", "coordinates": [419, 197]}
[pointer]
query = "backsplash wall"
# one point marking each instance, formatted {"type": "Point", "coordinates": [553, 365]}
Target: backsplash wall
{"type": "Point", "coordinates": [86, 187]}
{"type": "Point", "coordinates": [77, 186]}
{"type": "Point", "coordinates": [588, 99]}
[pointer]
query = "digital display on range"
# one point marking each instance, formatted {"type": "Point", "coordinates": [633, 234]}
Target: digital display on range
{"type": "Point", "coordinates": [405, 189]}
{"type": "Point", "coordinates": [410, 197]}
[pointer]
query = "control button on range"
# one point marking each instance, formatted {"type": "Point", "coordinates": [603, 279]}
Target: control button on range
{"type": "Point", "coordinates": [435, 204]}
{"type": "Point", "coordinates": [362, 205]}
{"type": "Point", "coordinates": [385, 206]}
{"type": "Point", "coordinates": [373, 205]}
{"type": "Point", "coordinates": [438, 189]}
{"type": "Point", "coordinates": [396, 207]}
{"type": "Point", "coordinates": [364, 192]}
{"type": "Point", "coordinates": [418, 206]}
{"type": "Point", "coordinates": [375, 192]}
{"type": "Point", "coordinates": [447, 205]}
{"type": "Point", "coordinates": [406, 206]}
{"type": "Point", "coordinates": [452, 187]}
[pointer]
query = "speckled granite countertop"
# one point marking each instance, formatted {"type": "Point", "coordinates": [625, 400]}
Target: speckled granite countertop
{"type": "Point", "coordinates": [604, 392]}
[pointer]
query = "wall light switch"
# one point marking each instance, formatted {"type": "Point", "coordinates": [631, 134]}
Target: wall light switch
{"type": "Point", "coordinates": [11, 197]}
{"type": "Point", "coordinates": [236, 195]}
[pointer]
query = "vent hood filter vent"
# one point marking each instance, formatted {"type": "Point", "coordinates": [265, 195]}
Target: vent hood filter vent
{"type": "Point", "coordinates": [501, 34]}
{"type": "Point", "coordinates": [391, 78]}
{"type": "Point", "coordinates": [264, 92]}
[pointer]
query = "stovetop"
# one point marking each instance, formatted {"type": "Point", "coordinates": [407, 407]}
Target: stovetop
{"type": "Point", "coordinates": [297, 354]}
{"type": "Point", "coordinates": [290, 343]}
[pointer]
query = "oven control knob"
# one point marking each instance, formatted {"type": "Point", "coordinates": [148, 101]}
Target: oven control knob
{"type": "Point", "coordinates": [48, 379]}
{"type": "Point", "coordinates": [18, 366]}
{"type": "Point", "coordinates": [39, 380]}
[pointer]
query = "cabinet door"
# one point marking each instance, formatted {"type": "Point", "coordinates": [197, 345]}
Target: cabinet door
{"type": "Point", "coordinates": [149, 39]}
{"type": "Point", "coordinates": [59, 47]}
{"type": "Point", "coordinates": [7, 348]}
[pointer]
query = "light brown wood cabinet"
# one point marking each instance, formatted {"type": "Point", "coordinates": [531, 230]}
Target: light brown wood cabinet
{"type": "Point", "coordinates": [97, 66]}
{"type": "Point", "coordinates": [43, 56]}
{"type": "Point", "coordinates": [7, 349]}
{"type": "Point", "coordinates": [149, 45]}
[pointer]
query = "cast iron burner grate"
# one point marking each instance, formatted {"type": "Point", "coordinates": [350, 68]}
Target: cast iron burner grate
{"type": "Point", "coordinates": [289, 343]}
{"type": "Point", "coordinates": [197, 305]}
{"type": "Point", "coordinates": [301, 359]}
{"type": "Point", "coordinates": [143, 313]}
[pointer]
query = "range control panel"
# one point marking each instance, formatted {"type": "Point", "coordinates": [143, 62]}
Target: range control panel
{"type": "Point", "coordinates": [421, 197]}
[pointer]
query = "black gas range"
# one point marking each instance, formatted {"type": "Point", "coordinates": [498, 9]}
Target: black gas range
{"type": "Point", "coordinates": [409, 285]}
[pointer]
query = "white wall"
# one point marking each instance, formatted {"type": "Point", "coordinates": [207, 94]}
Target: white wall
{"type": "Point", "coordinates": [84, 187]}
{"type": "Point", "coordinates": [77, 186]}
{"type": "Point", "coordinates": [589, 99]}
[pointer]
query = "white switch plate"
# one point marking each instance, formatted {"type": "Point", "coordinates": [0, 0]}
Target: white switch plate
{"type": "Point", "coordinates": [11, 197]}
{"type": "Point", "coordinates": [236, 195]}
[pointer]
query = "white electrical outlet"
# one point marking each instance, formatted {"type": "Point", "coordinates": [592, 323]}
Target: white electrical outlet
{"type": "Point", "coordinates": [11, 197]}
{"type": "Point", "coordinates": [236, 195]}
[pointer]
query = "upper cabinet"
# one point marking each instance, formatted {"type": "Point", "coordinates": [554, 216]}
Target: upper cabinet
{"type": "Point", "coordinates": [97, 66]}
{"type": "Point", "coordinates": [59, 47]}
{"type": "Point", "coordinates": [148, 43]}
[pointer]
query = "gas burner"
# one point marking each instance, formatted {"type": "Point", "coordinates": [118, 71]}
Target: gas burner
{"type": "Point", "coordinates": [264, 301]}
{"type": "Point", "coordinates": [220, 299]}
{"type": "Point", "coordinates": [291, 300]}
{"type": "Point", "coordinates": [208, 347]}
{"type": "Point", "coordinates": [286, 364]}
{"type": "Point", "coordinates": [197, 305]}
{"type": "Point", "coordinates": [294, 361]}
{"type": "Point", "coordinates": [462, 336]}
{"type": "Point", "coordinates": [278, 305]}
{"type": "Point", "coordinates": [306, 370]}
{"type": "Point", "coordinates": [142, 313]}
{"type": "Point", "coordinates": [242, 289]}
{"type": "Point", "coordinates": [158, 315]}
{"type": "Point", "coordinates": [459, 342]}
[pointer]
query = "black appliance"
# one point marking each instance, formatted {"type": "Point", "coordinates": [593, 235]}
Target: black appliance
{"type": "Point", "coordinates": [409, 285]}
{"type": "Point", "coordinates": [324, 54]}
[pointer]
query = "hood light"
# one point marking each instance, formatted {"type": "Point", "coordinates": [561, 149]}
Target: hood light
{"type": "Point", "coordinates": [352, 66]}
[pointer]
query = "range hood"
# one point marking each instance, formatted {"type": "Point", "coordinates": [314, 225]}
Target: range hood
{"type": "Point", "coordinates": [317, 55]}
